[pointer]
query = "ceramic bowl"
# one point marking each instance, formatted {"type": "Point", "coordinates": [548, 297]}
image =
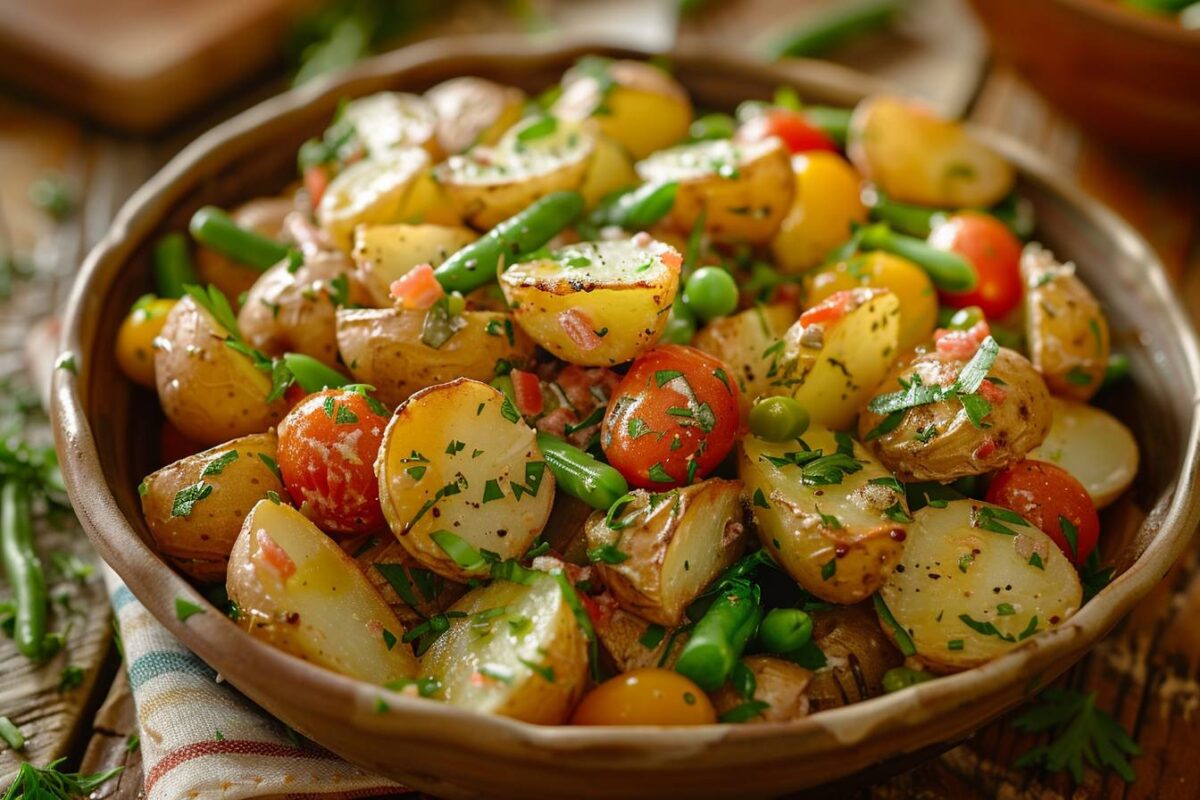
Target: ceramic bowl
{"type": "Point", "coordinates": [106, 440]}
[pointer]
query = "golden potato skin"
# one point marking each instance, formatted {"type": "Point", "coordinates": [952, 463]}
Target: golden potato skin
{"type": "Point", "coordinates": [1066, 329]}
{"type": "Point", "coordinates": [373, 191]}
{"type": "Point", "coordinates": [209, 391]}
{"type": "Point", "coordinates": [383, 348]}
{"type": "Point", "coordinates": [199, 543]}
{"type": "Point", "coordinates": [380, 555]}
{"type": "Point", "coordinates": [782, 685]}
{"type": "Point", "coordinates": [473, 111]}
{"type": "Point", "coordinates": [743, 341]}
{"type": "Point", "coordinates": [957, 448]}
{"type": "Point", "coordinates": [858, 654]}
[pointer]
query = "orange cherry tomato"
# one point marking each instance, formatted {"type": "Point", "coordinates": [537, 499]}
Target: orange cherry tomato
{"type": "Point", "coordinates": [797, 133]}
{"type": "Point", "coordinates": [1053, 500]}
{"type": "Point", "coordinates": [672, 419]}
{"type": "Point", "coordinates": [327, 449]}
{"type": "Point", "coordinates": [996, 255]}
{"type": "Point", "coordinates": [648, 696]}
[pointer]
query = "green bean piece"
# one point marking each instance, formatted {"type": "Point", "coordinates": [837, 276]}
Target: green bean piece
{"type": "Point", "coordinates": [898, 678]}
{"type": "Point", "coordinates": [947, 270]}
{"type": "Point", "coordinates": [905, 217]}
{"type": "Point", "coordinates": [24, 569]}
{"type": "Point", "coordinates": [721, 635]}
{"type": "Point", "coordinates": [580, 475]}
{"type": "Point", "coordinates": [635, 209]}
{"type": "Point", "coordinates": [712, 126]}
{"type": "Point", "coordinates": [312, 375]}
{"type": "Point", "coordinates": [834, 121]}
{"type": "Point", "coordinates": [173, 267]}
{"type": "Point", "coordinates": [778, 419]}
{"type": "Point", "coordinates": [785, 630]}
{"type": "Point", "coordinates": [475, 264]}
{"type": "Point", "coordinates": [213, 228]}
{"type": "Point", "coordinates": [832, 30]}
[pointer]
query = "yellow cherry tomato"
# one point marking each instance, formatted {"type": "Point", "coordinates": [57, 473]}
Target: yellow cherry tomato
{"type": "Point", "coordinates": [879, 270]}
{"type": "Point", "coordinates": [645, 697]}
{"type": "Point", "coordinates": [135, 339]}
{"type": "Point", "coordinates": [826, 202]}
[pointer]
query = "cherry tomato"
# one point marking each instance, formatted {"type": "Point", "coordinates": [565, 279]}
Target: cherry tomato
{"type": "Point", "coordinates": [797, 133]}
{"type": "Point", "coordinates": [1053, 500]}
{"type": "Point", "coordinates": [672, 419]}
{"type": "Point", "coordinates": [647, 696]}
{"type": "Point", "coordinates": [327, 449]}
{"type": "Point", "coordinates": [135, 338]}
{"type": "Point", "coordinates": [996, 255]}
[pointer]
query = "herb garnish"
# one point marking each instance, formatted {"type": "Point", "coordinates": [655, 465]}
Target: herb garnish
{"type": "Point", "coordinates": [1083, 734]}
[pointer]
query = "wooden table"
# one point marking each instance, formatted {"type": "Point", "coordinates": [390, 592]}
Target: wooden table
{"type": "Point", "coordinates": [1144, 672]}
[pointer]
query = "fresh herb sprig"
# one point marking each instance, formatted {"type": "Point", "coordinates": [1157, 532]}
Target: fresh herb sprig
{"type": "Point", "coordinates": [48, 783]}
{"type": "Point", "coordinates": [1083, 735]}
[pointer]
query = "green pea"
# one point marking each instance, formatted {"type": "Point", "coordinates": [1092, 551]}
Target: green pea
{"type": "Point", "coordinates": [711, 292]}
{"type": "Point", "coordinates": [785, 630]}
{"type": "Point", "coordinates": [680, 327]}
{"type": "Point", "coordinates": [712, 126]}
{"type": "Point", "coordinates": [899, 678]}
{"type": "Point", "coordinates": [778, 419]}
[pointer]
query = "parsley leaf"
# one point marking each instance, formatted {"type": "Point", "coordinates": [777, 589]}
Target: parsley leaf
{"type": "Point", "coordinates": [1083, 735]}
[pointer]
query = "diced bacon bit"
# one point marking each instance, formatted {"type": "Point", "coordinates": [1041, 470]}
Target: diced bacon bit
{"type": "Point", "coordinates": [418, 289]}
{"type": "Point", "coordinates": [992, 393]}
{"type": "Point", "coordinates": [831, 309]}
{"type": "Point", "coordinates": [274, 556]}
{"type": "Point", "coordinates": [527, 391]}
{"type": "Point", "coordinates": [672, 258]}
{"type": "Point", "coordinates": [579, 330]}
{"type": "Point", "coordinates": [555, 423]}
{"type": "Point", "coordinates": [986, 449]}
{"type": "Point", "coordinates": [642, 239]}
{"type": "Point", "coordinates": [577, 383]}
{"type": "Point", "coordinates": [961, 344]}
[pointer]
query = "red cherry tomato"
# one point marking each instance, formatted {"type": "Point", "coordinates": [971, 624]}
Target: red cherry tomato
{"type": "Point", "coordinates": [996, 254]}
{"type": "Point", "coordinates": [1053, 500]}
{"type": "Point", "coordinates": [672, 419]}
{"type": "Point", "coordinates": [327, 449]}
{"type": "Point", "coordinates": [798, 134]}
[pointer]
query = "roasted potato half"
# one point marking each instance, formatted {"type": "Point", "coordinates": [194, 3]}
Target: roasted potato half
{"type": "Point", "coordinates": [781, 686]}
{"type": "Point", "coordinates": [826, 204]}
{"type": "Point", "coordinates": [977, 581]}
{"type": "Point", "coordinates": [1092, 445]}
{"type": "Point", "coordinates": [595, 303]}
{"type": "Point", "coordinates": [916, 157]}
{"type": "Point", "coordinates": [195, 507]}
{"type": "Point", "coordinates": [831, 516]}
{"type": "Point", "coordinates": [297, 590]}
{"type": "Point", "coordinates": [413, 592]}
{"type": "Point", "coordinates": [473, 111]}
{"type": "Point", "coordinates": [743, 190]}
{"type": "Point", "coordinates": [832, 363]}
{"type": "Point", "coordinates": [1066, 329]}
{"type": "Point", "coordinates": [388, 121]}
{"type": "Point", "coordinates": [210, 392]}
{"type": "Point", "coordinates": [938, 441]}
{"type": "Point", "coordinates": [660, 552]}
{"type": "Point", "coordinates": [857, 655]}
{"type": "Point", "coordinates": [383, 253]}
{"type": "Point", "coordinates": [383, 348]}
{"type": "Point", "coordinates": [457, 458]}
{"type": "Point", "coordinates": [372, 191]}
{"type": "Point", "coordinates": [517, 652]}
{"type": "Point", "coordinates": [744, 342]}
{"type": "Point", "coordinates": [630, 642]}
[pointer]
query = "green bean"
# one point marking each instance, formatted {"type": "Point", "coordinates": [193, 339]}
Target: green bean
{"type": "Point", "coordinates": [213, 228]}
{"type": "Point", "coordinates": [475, 264]}
{"type": "Point", "coordinates": [635, 209]}
{"type": "Point", "coordinates": [785, 630]}
{"type": "Point", "coordinates": [712, 126]}
{"type": "Point", "coordinates": [312, 375]}
{"type": "Point", "coordinates": [580, 475]}
{"type": "Point", "coordinates": [905, 217]}
{"type": "Point", "coordinates": [173, 266]}
{"type": "Point", "coordinates": [834, 121]}
{"type": "Point", "coordinates": [947, 270]}
{"type": "Point", "coordinates": [898, 678]}
{"type": "Point", "coordinates": [11, 734]}
{"type": "Point", "coordinates": [721, 635]}
{"type": "Point", "coordinates": [834, 29]}
{"type": "Point", "coordinates": [742, 569]}
{"type": "Point", "coordinates": [23, 568]}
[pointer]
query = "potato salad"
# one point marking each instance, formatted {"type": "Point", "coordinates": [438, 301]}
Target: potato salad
{"type": "Point", "coordinates": [595, 408]}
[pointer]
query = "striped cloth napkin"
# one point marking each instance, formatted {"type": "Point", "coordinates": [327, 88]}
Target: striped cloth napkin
{"type": "Point", "coordinates": [202, 740]}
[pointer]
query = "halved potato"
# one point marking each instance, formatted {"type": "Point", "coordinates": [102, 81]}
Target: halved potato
{"type": "Point", "coordinates": [412, 591]}
{"type": "Point", "coordinates": [457, 458]}
{"type": "Point", "coordinates": [389, 121]}
{"type": "Point", "coordinates": [781, 685]}
{"type": "Point", "coordinates": [488, 185]}
{"type": "Point", "coordinates": [743, 190]}
{"type": "Point", "coordinates": [827, 203]}
{"type": "Point", "coordinates": [195, 507]}
{"type": "Point", "coordinates": [473, 111]}
{"type": "Point", "coordinates": [369, 192]}
{"type": "Point", "coordinates": [1092, 445]}
{"type": "Point", "coordinates": [610, 170]}
{"type": "Point", "coordinates": [296, 589]}
{"type": "Point", "coordinates": [595, 303]}
{"type": "Point", "coordinates": [744, 341]}
{"type": "Point", "coordinates": [630, 642]}
{"type": "Point", "coordinates": [209, 391]}
{"type": "Point", "coordinates": [833, 366]}
{"type": "Point", "coordinates": [666, 548]}
{"type": "Point", "coordinates": [916, 157]}
{"type": "Point", "coordinates": [977, 581]}
{"type": "Point", "coordinates": [518, 652]}
{"type": "Point", "coordinates": [836, 523]}
{"type": "Point", "coordinates": [1066, 329]}
{"type": "Point", "coordinates": [383, 348]}
{"type": "Point", "coordinates": [383, 253]}
{"type": "Point", "coordinates": [857, 655]}
{"type": "Point", "coordinates": [636, 104]}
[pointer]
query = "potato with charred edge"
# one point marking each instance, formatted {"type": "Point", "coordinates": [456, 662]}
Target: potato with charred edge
{"type": "Point", "coordinates": [383, 348]}
{"type": "Point", "coordinates": [630, 642]}
{"type": "Point", "coordinates": [1092, 445]}
{"type": "Point", "coordinates": [938, 441]}
{"type": "Point", "coordinates": [412, 591]}
{"type": "Point", "coordinates": [1066, 329]}
{"type": "Point", "coordinates": [657, 553]}
{"type": "Point", "coordinates": [210, 392]}
{"type": "Point", "coordinates": [473, 111]}
{"type": "Point", "coordinates": [296, 590]}
{"type": "Point", "coordinates": [780, 686]}
{"type": "Point", "coordinates": [264, 215]}
{"type": "Point", "coordinates": [744, 341]}
{"type": "Point", "coordinates": [514, 650]}
{"type": "Point", "coordinates": [195, 507]}
{"type": "Point", "coordinates": [857, 654]}
{"type": "Point", "coordinates": [383, 253]}
{"type": "Point", "coordinates": [828, 513]}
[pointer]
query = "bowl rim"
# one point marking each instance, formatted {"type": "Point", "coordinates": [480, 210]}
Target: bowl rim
{"type": "Point", "coordinates": [326, 694]}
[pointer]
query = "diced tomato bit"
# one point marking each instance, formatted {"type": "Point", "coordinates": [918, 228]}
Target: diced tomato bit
{"type": "Point", "coordinates": [961, 344]}
{"type": "Point", "coordinates": [579, 330]}
{"type": "Point", "coordinates": [986, 449]}
{"type": "Point", "coordinates": [418, 289]}
{"type": "Point", "coordinates": [598, 607]}
{"type": "Point", "coordinates": [992, 393]}
{"type": "Point", "coordinates": [786, 293]}
{"type": "Point", "coordinates": [316, 180]}
{"type": "Point", "coordinates": [672, 258]}
{"type": "Point", "coordinates": [831, 309]}
{"type": "Point", "coordinates": [527, 391]}
{"type": "Point", "coordinates": [274, 556]}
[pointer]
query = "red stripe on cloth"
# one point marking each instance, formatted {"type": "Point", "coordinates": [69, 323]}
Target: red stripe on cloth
{"type": "Point", "coordinates": [376, 792]}
{"type": "Point", "coordinates": [238, 747]}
